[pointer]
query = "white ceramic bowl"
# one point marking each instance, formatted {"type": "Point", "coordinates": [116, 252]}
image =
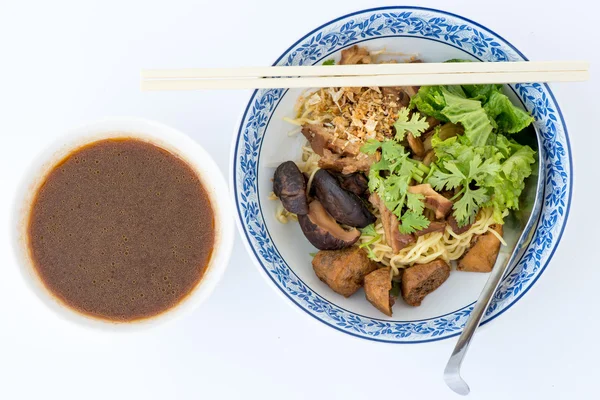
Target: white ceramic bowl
{"type": "Point", "coordinates": [282, 252]}
{"type": "Point", "coordinates": [160, 135]}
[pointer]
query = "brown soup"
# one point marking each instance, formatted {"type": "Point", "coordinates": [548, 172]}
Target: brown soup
{"type": "Point", "coordinates": [121, 230]}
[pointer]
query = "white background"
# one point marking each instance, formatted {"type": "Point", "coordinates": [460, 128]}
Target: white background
{"type": "Point", "coordinates": [64, 63]}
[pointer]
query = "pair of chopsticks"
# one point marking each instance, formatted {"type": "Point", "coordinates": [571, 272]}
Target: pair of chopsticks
{"type": "Point", "coordinates": [401, 74]}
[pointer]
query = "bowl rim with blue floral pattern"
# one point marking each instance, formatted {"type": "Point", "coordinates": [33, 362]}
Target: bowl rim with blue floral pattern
{"type": "Point", "coordinates": [416, 22]}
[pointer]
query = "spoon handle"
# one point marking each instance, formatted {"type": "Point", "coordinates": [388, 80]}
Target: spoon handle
{"type": "Point", "coordinates": [452, 371]}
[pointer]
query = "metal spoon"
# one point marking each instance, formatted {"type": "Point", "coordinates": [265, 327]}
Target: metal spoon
{"type": "Point", "coordinates": [527, 219]}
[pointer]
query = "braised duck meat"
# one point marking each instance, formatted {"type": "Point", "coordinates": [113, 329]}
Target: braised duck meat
{"type": "Point", "coordinates": [394, 238]}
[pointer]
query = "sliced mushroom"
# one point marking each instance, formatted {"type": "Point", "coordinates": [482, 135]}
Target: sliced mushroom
{"type": "Point", "coordinates": [416, 145]}
{"type": "Point", "coordinates": [399, 240]}
{"type": "Point", "coordinates": [427, 142]}
{"type": "Point", "coordinates": [289, 185]}
{"type": "Point", "coordinates": [394, 238]}
{"type": "Point", "coordinates": [355, 183]}
{"type": "Point", "coordinates": [396, 94]}
{"type": "Point", "coordinates": [346, 165]}
{"type": "Point", "coordinates": [344, 206]}
{"type": "Point", "coordinates": [449, 130]}
{"type": "Point", "coordinates": [433, 200]}
{"type": "Point", "coordinates": [377, 290]}
{"type": "Point", "coordinates": [323, 232]}
{"type": "Point", "coordinates": [410, 90]}
{"type": "Point", "coordinates": [321, 138]}
{"type": "Point", "coordinates": [434, 226]}
{"type": "Point", "coordinates": [429, 158]}
{"type": "Point", "coordinates": [432, 122]}
{"type": "Point", "coordinates": [458, 229]}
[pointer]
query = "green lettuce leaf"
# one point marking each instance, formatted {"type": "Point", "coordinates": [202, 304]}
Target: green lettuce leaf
{"type": "Point", "coordinates": [481, 92]}
{"type": "Point", "coordinates": [517, 167]}
{"type": "Point", "coordinates": [449, 103]}
{"type": "Point", "coordinates": [509, 118]}
{"type": "Point", "coordinates": [430, 100]}
{"type": "Point", "coordinates": [416, 125]}
{"type": "Point", "coordinates": [470, 114]}
{"type": "Point", "coordinates": [486, 167]}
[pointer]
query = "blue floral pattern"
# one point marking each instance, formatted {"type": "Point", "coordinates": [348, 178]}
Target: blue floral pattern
{"type": "Point", "coordinates": [419, 23]}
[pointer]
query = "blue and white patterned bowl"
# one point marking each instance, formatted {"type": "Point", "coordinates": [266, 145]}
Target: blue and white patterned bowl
{"type": "Point", "coordinates": [282, 252]}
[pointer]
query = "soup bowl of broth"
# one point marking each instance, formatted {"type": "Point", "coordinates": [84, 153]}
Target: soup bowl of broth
{"type": "Point", "coordinates": [123, 223]}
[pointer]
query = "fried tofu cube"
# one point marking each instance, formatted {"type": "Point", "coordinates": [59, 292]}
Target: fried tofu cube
{"type": "Point", "coordinates": [377, 290]}
{"type": "Point", "coordinates": [482, 255]}
{"type": "Point", "coordinates": [343, 270]}
{"type": "Point", "coordinates": [421, 279]}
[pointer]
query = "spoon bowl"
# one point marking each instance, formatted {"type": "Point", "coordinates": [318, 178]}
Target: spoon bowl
{"type": "Point", "coordinates": [525, 220]}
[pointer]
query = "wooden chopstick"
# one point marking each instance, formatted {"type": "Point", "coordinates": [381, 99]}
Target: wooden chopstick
{"type": "Point", "coordinates": [402, 74]}
{"type": "Point", "coordinates": [365, 69]}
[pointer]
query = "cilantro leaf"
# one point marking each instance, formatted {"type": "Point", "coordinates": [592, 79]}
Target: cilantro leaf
{"type": "Point", "coordinates": [371, 146]}
{"type": "Point", "coordinates": [468, 168]}
{"type": "Point", "coordinates": [437, 178]}
{"type": "Point", "coordinates": [392, 151]}
{"type": "Point", "coordinates": [412, 222]}
{"type": "Point", "coordinates": [394, 193]}
{"type": "Point", "coordinates": [448, 180]}
{"type": "Point", "coordinates": [329, 62]}
{"type": "Point", "coordinates": [416, 125]}
{"type": "Point", "coordinates": [414, 202]}
{"type": "Point", "coordinates": [453, 167]}
{"type": "Point", "coordinates": [375, 180]}
{"type": "Point", "coordinates": [478, 169]}
{"type": "Point", "coordinates": [381, 165]}
{"type": "Point", "coordinates": [468, 205]}
{"type": "Point", "coordinates": [406, 168]}
{"type": "Point", "coordinates": [390, 178]}
{"type": "Point", "coordinates": [369, 230]}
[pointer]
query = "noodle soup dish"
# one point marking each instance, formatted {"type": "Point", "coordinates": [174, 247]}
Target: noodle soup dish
{"type": "Point", "coordinates": [381, 211]}
{"type": "Point", "coordinates": [397, 185]}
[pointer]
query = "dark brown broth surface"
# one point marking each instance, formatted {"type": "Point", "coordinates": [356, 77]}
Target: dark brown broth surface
{"type": "Point", "coordinates": [121, 230]}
